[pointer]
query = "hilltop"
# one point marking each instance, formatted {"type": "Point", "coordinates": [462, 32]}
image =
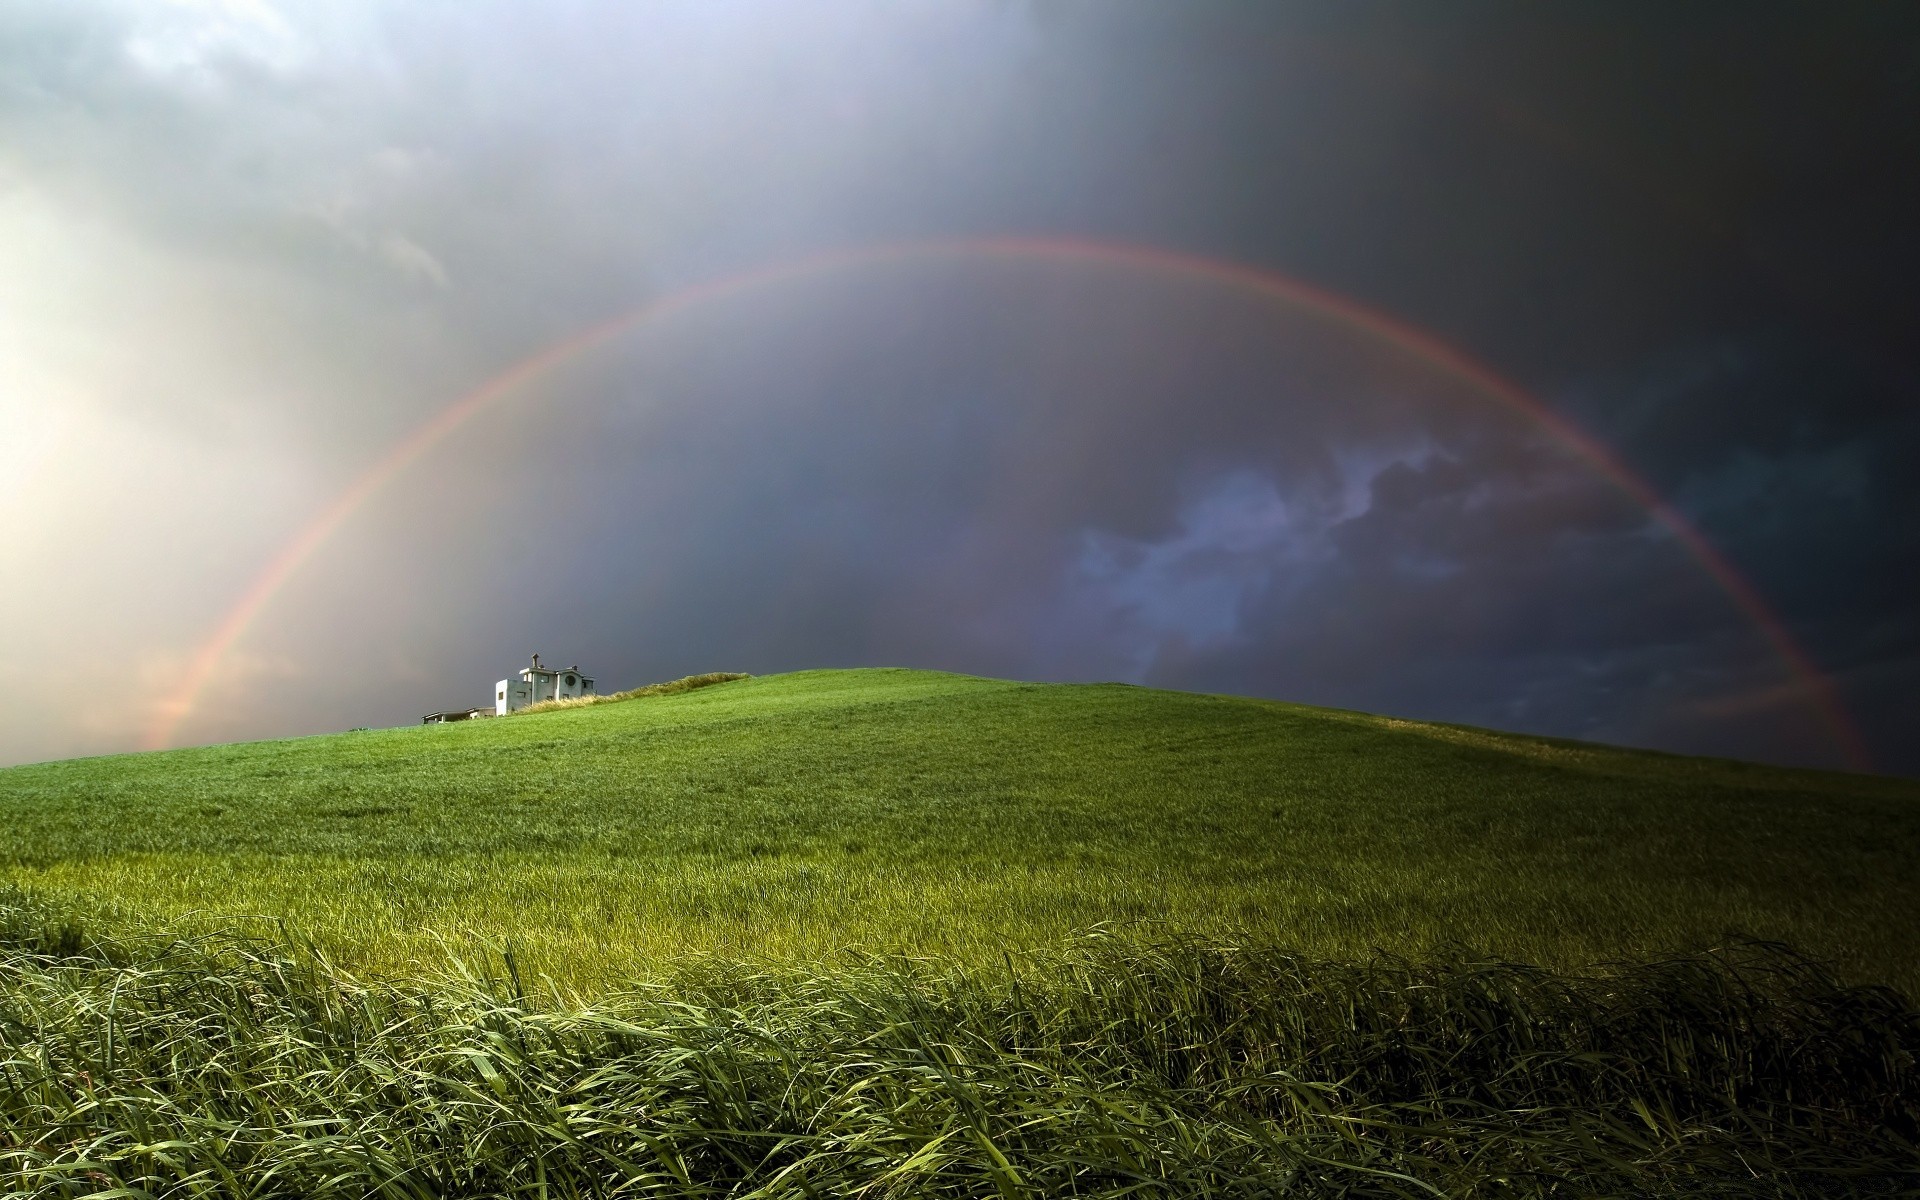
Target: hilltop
{"type": "Point", "coordinates": [904, 933]}
{"type": "Point", "coordinates": [791, 816]}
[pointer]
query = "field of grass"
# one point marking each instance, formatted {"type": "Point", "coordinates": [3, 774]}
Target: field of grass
{"type": "Point", "coordinates": [899, 933]}
{"type": "Point", "coordinates": [792, 818]}
{"type": "Point", "coordinates": [134, 1066]}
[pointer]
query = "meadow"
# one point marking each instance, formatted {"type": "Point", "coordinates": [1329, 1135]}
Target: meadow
{"type": "Point", "coordinates": [891, 811]}
{"type": "Point", "coordinates": [791, 818]}
{"type": "Point", "coordinates": [901, 933]}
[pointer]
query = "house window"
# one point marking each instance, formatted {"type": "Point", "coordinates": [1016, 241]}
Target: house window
{"type": "Point", "coordinates": [571, 681]}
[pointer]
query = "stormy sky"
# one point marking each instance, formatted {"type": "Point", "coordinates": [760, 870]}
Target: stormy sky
{"type": "Point", "coordinates": [1232, 432]}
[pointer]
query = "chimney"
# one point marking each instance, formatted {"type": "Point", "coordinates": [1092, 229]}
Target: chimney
{"type": "Point", "coordinates": [536, 662]}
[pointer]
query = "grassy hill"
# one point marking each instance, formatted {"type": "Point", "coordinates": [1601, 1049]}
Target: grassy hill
{"type": "Point", "coordinates": [789, 817]}
{"type": "Point", "coordinates": [850, 913]}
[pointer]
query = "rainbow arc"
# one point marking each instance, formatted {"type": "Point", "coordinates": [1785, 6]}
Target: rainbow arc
{"type": "Point", "coordinates": [1268, 285]}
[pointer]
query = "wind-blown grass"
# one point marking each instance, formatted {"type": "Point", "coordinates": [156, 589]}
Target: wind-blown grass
{"type": "Point", "coordinates": [1193, 1068]}
{"type": "Point", "coordinates": [787, 818]}
{"type": "Point", "coordinates": [906, 934]}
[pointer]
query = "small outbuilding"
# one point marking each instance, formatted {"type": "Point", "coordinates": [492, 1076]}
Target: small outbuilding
{"type": "Point", "coordinates": [455, 714]}
{"type": "Point", "coordinates": [538, 683]}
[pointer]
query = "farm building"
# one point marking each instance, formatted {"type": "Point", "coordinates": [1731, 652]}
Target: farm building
{"type": "Point", "coordinates": [455, 714]}
{"type": "Point", "coordinates": [537, 683]}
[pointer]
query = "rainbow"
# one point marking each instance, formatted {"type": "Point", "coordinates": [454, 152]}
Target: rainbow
{"type": "Point", "coordinates": [1257, 281]}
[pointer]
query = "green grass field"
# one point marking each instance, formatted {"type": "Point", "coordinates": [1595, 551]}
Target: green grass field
{"type": "Point", "coordinates": [792, 817]}
{"type": "Point", "coordinates": [903, 934]}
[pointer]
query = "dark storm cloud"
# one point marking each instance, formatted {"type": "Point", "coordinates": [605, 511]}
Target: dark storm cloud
{"type": "Point", "coordinates": [1420, 552]}
{"type": "Point", "coordinates": [258, 244]}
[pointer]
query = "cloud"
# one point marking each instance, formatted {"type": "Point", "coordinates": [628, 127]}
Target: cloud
{"type": "Point", "coordinates": [248, 248]}
{"type": "Point", "coordinates": [412, 260]}
{"type": "Point", "coordinates": [190, 41]}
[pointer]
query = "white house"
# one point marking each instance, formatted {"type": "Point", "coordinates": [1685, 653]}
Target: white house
{"type": "Point", "coordinates": [537, 683]}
